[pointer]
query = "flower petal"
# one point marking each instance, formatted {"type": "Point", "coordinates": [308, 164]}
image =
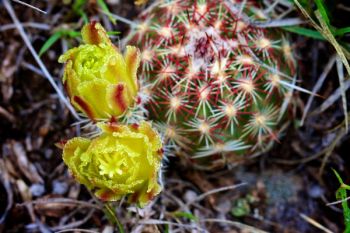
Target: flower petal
{"type": "Point", "coordinates": [72, 152]}
{"type": "Point", "coordinates": [94, 33]}
{"type": "Point", "coordinates": [93, 92]}
{"type": "Point", "coordinates": [132, 60]}
{"type": "Point", "coordinates": [118, 98]}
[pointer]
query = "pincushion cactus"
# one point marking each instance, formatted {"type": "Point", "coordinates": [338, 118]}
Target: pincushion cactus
{"type": "Point", "coordinates": [219, 84]}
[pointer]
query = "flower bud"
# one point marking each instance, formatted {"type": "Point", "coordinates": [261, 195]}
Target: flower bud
{"type": "Point", "coordinates": [99, 80]}
{"type": "Point", "coordinates": [123, 160]}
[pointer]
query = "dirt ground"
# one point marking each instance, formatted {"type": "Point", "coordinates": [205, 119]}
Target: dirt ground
{"type": "Point", "coordinates": [284, 190]}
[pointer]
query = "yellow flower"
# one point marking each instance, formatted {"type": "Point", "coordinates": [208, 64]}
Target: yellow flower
{"type": "Point", "coordinates": [99, 80]}
{"type": "Point", "coordinates": [123, 160]}
{"type": "Point", "coordinates": [140, 2]}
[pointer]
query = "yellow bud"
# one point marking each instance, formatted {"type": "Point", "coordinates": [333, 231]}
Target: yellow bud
{"type": "Point", "coordinates": [123, 160]}
{"type": "Point", "coordinates": [99, 80]}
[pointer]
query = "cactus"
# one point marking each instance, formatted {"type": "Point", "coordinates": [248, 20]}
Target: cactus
{"type": "Point", "coordinates": [219, 84]}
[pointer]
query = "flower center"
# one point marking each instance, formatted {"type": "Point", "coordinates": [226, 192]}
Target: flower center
{"type": "Point", "coordinates": [90, 62]}
{"type": "Point", "coordinates": [113, 164]}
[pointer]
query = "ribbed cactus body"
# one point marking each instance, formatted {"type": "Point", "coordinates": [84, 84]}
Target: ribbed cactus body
{"type": "Point", "coordinates": [218, 83]}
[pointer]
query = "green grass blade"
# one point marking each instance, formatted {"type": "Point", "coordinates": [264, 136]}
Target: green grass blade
{"type": "Point", "coordinates": [72, 34]}
{"type": "Point", "coordinates": [52, 39]}
{"type": "Point", "coordinates": [109, 211]}
{"type": "Point", "coordinates": [342, 195]}
{"type": "Point", "coordinates": [79, 5]}
{"type": "Point", "coordinates": [323, 11]}
{"type": "Point", "coordinates": [187, 215]}
{"type": "Point", "coordinates": [304, 32]}
{"type": "Point", "coordinates": [307, 15]}
{"type": "Point", "coordinates": [105, 9]}
{"type": "Point", "coordinates": [342, 31]}
{"type": "Point", "coordinates": [113, 33]}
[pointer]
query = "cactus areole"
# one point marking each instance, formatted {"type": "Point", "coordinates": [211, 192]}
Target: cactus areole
{"type": "Point", "coordinates": [219, 85]}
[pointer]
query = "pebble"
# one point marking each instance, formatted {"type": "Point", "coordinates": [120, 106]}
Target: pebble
{"type": "Point", "coordinates": [59, 187]}
{"type": "Point", "coordinates": [37, 190]}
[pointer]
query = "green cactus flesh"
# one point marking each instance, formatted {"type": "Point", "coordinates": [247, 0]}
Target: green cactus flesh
{"type": "Point", "coordinates": [218, 84]}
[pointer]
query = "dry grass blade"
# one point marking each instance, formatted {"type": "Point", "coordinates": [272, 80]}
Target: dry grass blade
{"type": "Point", "coordinates": [328, 34]}
{"type": "Point", "coordinates": [338, 202]}
{"type": "Point", "coordinates": [63, 201]}
{"type": "Point", "coordinates": [343, 88]}
{"type": "Point", "coordinates": [121, 19]}
{"type": "Point", "coordinates": [5, 180]}
{"type": "Point", "coordinates": [204, 195]}
{"type": "Point", "coordinates": [243, 227]}
{"type": "Point", "coordinates": [26, 40]}
{"type": "Point", "coordinates": [314, 223]}
{"type": "Point", "coordinates": [304, 12]}
{"type": "Point", "coordinates": [160, 222]}
{"type": "Point", "coordinates": [330, 149]}
{"type": "Point", "coordinates": [325, 30]}
{"type": "Point", "coordinates": [318, 86]}
{"type": "Point", "coordinates": [40, 26]}
{"type": "Point", "coordinates": [331, 99]}
{"type": "Point", "coordinates": [75, 223]}
{"type": "Point", "coordinates": [30, 6]}
{"type": "Point", "coordinates": [77, 230]}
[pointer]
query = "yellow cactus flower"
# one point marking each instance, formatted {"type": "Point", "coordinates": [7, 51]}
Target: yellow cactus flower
{"type": "Point", "coordinates": [140, 2]}
{"type": "Point", "coordinates": [99, 80]}
{"type": "Point", "coordinates": [123, 160]}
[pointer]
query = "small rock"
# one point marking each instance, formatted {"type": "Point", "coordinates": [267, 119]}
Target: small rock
{"type": "Point", "coordinates": [59, 187]}
{"type": "Point", "coordinates": [37, 190]}
{"type": "Point", "coordinates": [224, 206]}
{"type": "Point", "coordinates": [190, 195]}
{"type": "Point", "coordinates": [315, 191]}
{"type": "Point", "coordinates": [108, 229]}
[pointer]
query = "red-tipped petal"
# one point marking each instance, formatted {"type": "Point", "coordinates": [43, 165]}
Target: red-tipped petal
{"type": "Point", "coordinates": [85, 107]}
{"type": "Point", "coordinates": [94, 33]}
